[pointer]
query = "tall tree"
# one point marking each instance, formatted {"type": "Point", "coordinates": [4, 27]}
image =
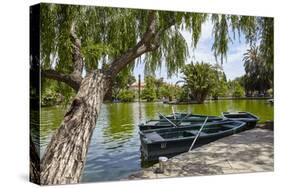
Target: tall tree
{"type": "Point", "coordinates": [158, 82]}
{"type": "Point", "coordinates": [220, 88]}
{"type": "Point", "coordinates": [200, 79]}
{"type": "Point", "coordinates": [86, 47]}
{"type": "Point", "coordinates": [259, 74]}
{"type": "Point", "coordinates": [267, 43]}
{"type": "Point", "coordinates": [149, 91]}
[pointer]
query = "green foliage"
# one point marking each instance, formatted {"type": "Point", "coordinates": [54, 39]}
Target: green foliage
{"type": "Point", "coordinates": [158, 89]}
{"type": "Point", "coordinates": [165, 92]}
{"type": "Point", "coordinates": [184, 94]}
{"type": "Point", "coordinates": [200, 79]}
{"type": "Point", "coordinates": [235, 88]}
{"type": "Point", "coordinates": [93, 53]}
{"type": "Point", "coordinates": [126, 95]}
{"type": "Point", "coordinates": [50, 98]}
{"type": "Point", "coordinates": [259, 73]}
{"type": "Point", "coordinates": [149, 91]}
{"type": "Point", "coordinates": [266, 42]}
{"type": "Point", "coordinates": [159, 84]}
{"type": "Point", "coordinates": [169, 91]}
{"type": "Point", "coordinates": [238, 91]}
{"type": "Point", "coordinates": [55, 93]}
{"type": "Point", "coordinates": [122, 81]}
{"type": "Point", "coordinates": [220, 87]}
{"type": "Point", "coordinates": [106, 33]}
{"type": "Point", "coordinates": [224, 24]}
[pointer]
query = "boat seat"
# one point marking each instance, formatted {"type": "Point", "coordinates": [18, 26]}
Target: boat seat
{"type": "Point", "coordinates": [151, 123]}
{"type": "Point", "coordinates": [185, 123]}
{"type": "Point", "coordinates": [154, 137]}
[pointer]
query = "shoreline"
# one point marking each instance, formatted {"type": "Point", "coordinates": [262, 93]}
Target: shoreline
{"type": "Point", "coordinates": [195, 102]}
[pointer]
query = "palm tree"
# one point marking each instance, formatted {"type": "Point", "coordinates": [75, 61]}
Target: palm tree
{"type": "Point", "coordinates": [258, 74]}
{"type": "Point", "coordinates": [251, 60]}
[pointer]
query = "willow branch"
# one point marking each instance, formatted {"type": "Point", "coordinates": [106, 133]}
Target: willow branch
{"type": "Point", "coordinates": [143, 46]}
{"type": "Point", "coordinates": [76, 52]}
{"type": "Point", "coordinates": [70, 80]}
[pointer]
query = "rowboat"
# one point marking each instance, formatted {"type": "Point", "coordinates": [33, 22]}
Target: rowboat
{"type": "Point", "coordinates": [171, 141]}
{"type": "Point", "coordinates": [179, 116]}
{"type": "Point", "coordinates": [247, 117]}
{"type": "Point", "coordinates": [182, 120]}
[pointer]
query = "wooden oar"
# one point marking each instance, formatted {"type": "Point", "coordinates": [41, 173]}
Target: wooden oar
{"type": "Point", "coordinates": [187, 115]}
{"type": "Point", "coordinates": [190, 148]}
{"type": "Point", "coordinates": [173, 112]}
{"type": "Point", "coordinates": [167, 119]}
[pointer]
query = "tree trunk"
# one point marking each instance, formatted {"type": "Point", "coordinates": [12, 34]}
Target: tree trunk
{"type": "Point", "coordinates": [109, 96]}
{"type": "Point", "coordinates": [66, 153]}
{"type": "Point", "coordinates": [34, 163]}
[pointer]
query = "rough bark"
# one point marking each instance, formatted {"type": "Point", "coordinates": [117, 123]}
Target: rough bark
{"type": "Point", "coordinates": [76, 54]}
{"type": "Point", "coordinates": [109, 95]}
{"type": "Point", "coordinates": [65, 155]}
{"type": "Point", "coordinates": [34, 163]}
{"type": "Point", "coordinates": [73, 81]}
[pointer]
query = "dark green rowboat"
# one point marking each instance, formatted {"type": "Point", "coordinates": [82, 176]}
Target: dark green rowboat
{"type": "Point", "coordinates": [247, 117]}
{"type": "Point", "coordinates": [183, 120]}
{"type": "Point", "coordinates": [171, 141]}
{"type": "Point", "coordinates": [181, 115]}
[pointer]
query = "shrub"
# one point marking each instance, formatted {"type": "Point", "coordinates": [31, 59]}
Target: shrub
{"type": "Point", "coordinates": [126, 96]}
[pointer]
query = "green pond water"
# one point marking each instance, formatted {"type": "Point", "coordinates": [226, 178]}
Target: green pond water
{"type": "Point", "coordinates": [114, 151]}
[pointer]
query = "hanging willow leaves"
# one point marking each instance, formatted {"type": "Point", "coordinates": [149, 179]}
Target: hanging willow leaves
{"type": "Point", "coordinates": [107, 33]}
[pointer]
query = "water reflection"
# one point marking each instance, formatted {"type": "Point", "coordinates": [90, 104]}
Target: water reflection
{"type": "Point", "coordinates": [35, 128]}
{"type": "Point", "coordinates": [119, 122]}
{"type": "Point", "coordinates": [49, 122]}
{"type": "Point", "coordinates": [114, 148]}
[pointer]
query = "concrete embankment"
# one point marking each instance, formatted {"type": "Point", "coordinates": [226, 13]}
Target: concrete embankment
{"type": "Point", "coordinates": [246, 152]}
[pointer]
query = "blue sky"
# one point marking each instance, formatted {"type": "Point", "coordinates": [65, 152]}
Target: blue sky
{"type": "Point", "coordinates": [233, 67]}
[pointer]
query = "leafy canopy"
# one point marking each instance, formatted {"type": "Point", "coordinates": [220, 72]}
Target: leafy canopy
{"type": "Point", "coordinates": [106, 33]}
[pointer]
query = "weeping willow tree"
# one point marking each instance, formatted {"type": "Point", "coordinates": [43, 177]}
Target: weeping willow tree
{"type": "Point", "coordinates": [87, 47]}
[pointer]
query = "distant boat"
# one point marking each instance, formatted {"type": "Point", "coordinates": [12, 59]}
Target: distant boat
{"type": "Point", "coordinates": [247, 117]}
{"type": "Point", "coordinates": [165, 101]}
{"type": "Point", "coordinates": [182, 119]}
{"type": "Point", "coordinates": [116, 101]}
{"type": "Point", "coordinates": [172, 141]}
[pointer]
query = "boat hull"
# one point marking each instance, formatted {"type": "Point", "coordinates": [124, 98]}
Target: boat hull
{"type": "Point", "coordinates": [151, 150]}
{"type": "Point", "coordinates": [250, 119]}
